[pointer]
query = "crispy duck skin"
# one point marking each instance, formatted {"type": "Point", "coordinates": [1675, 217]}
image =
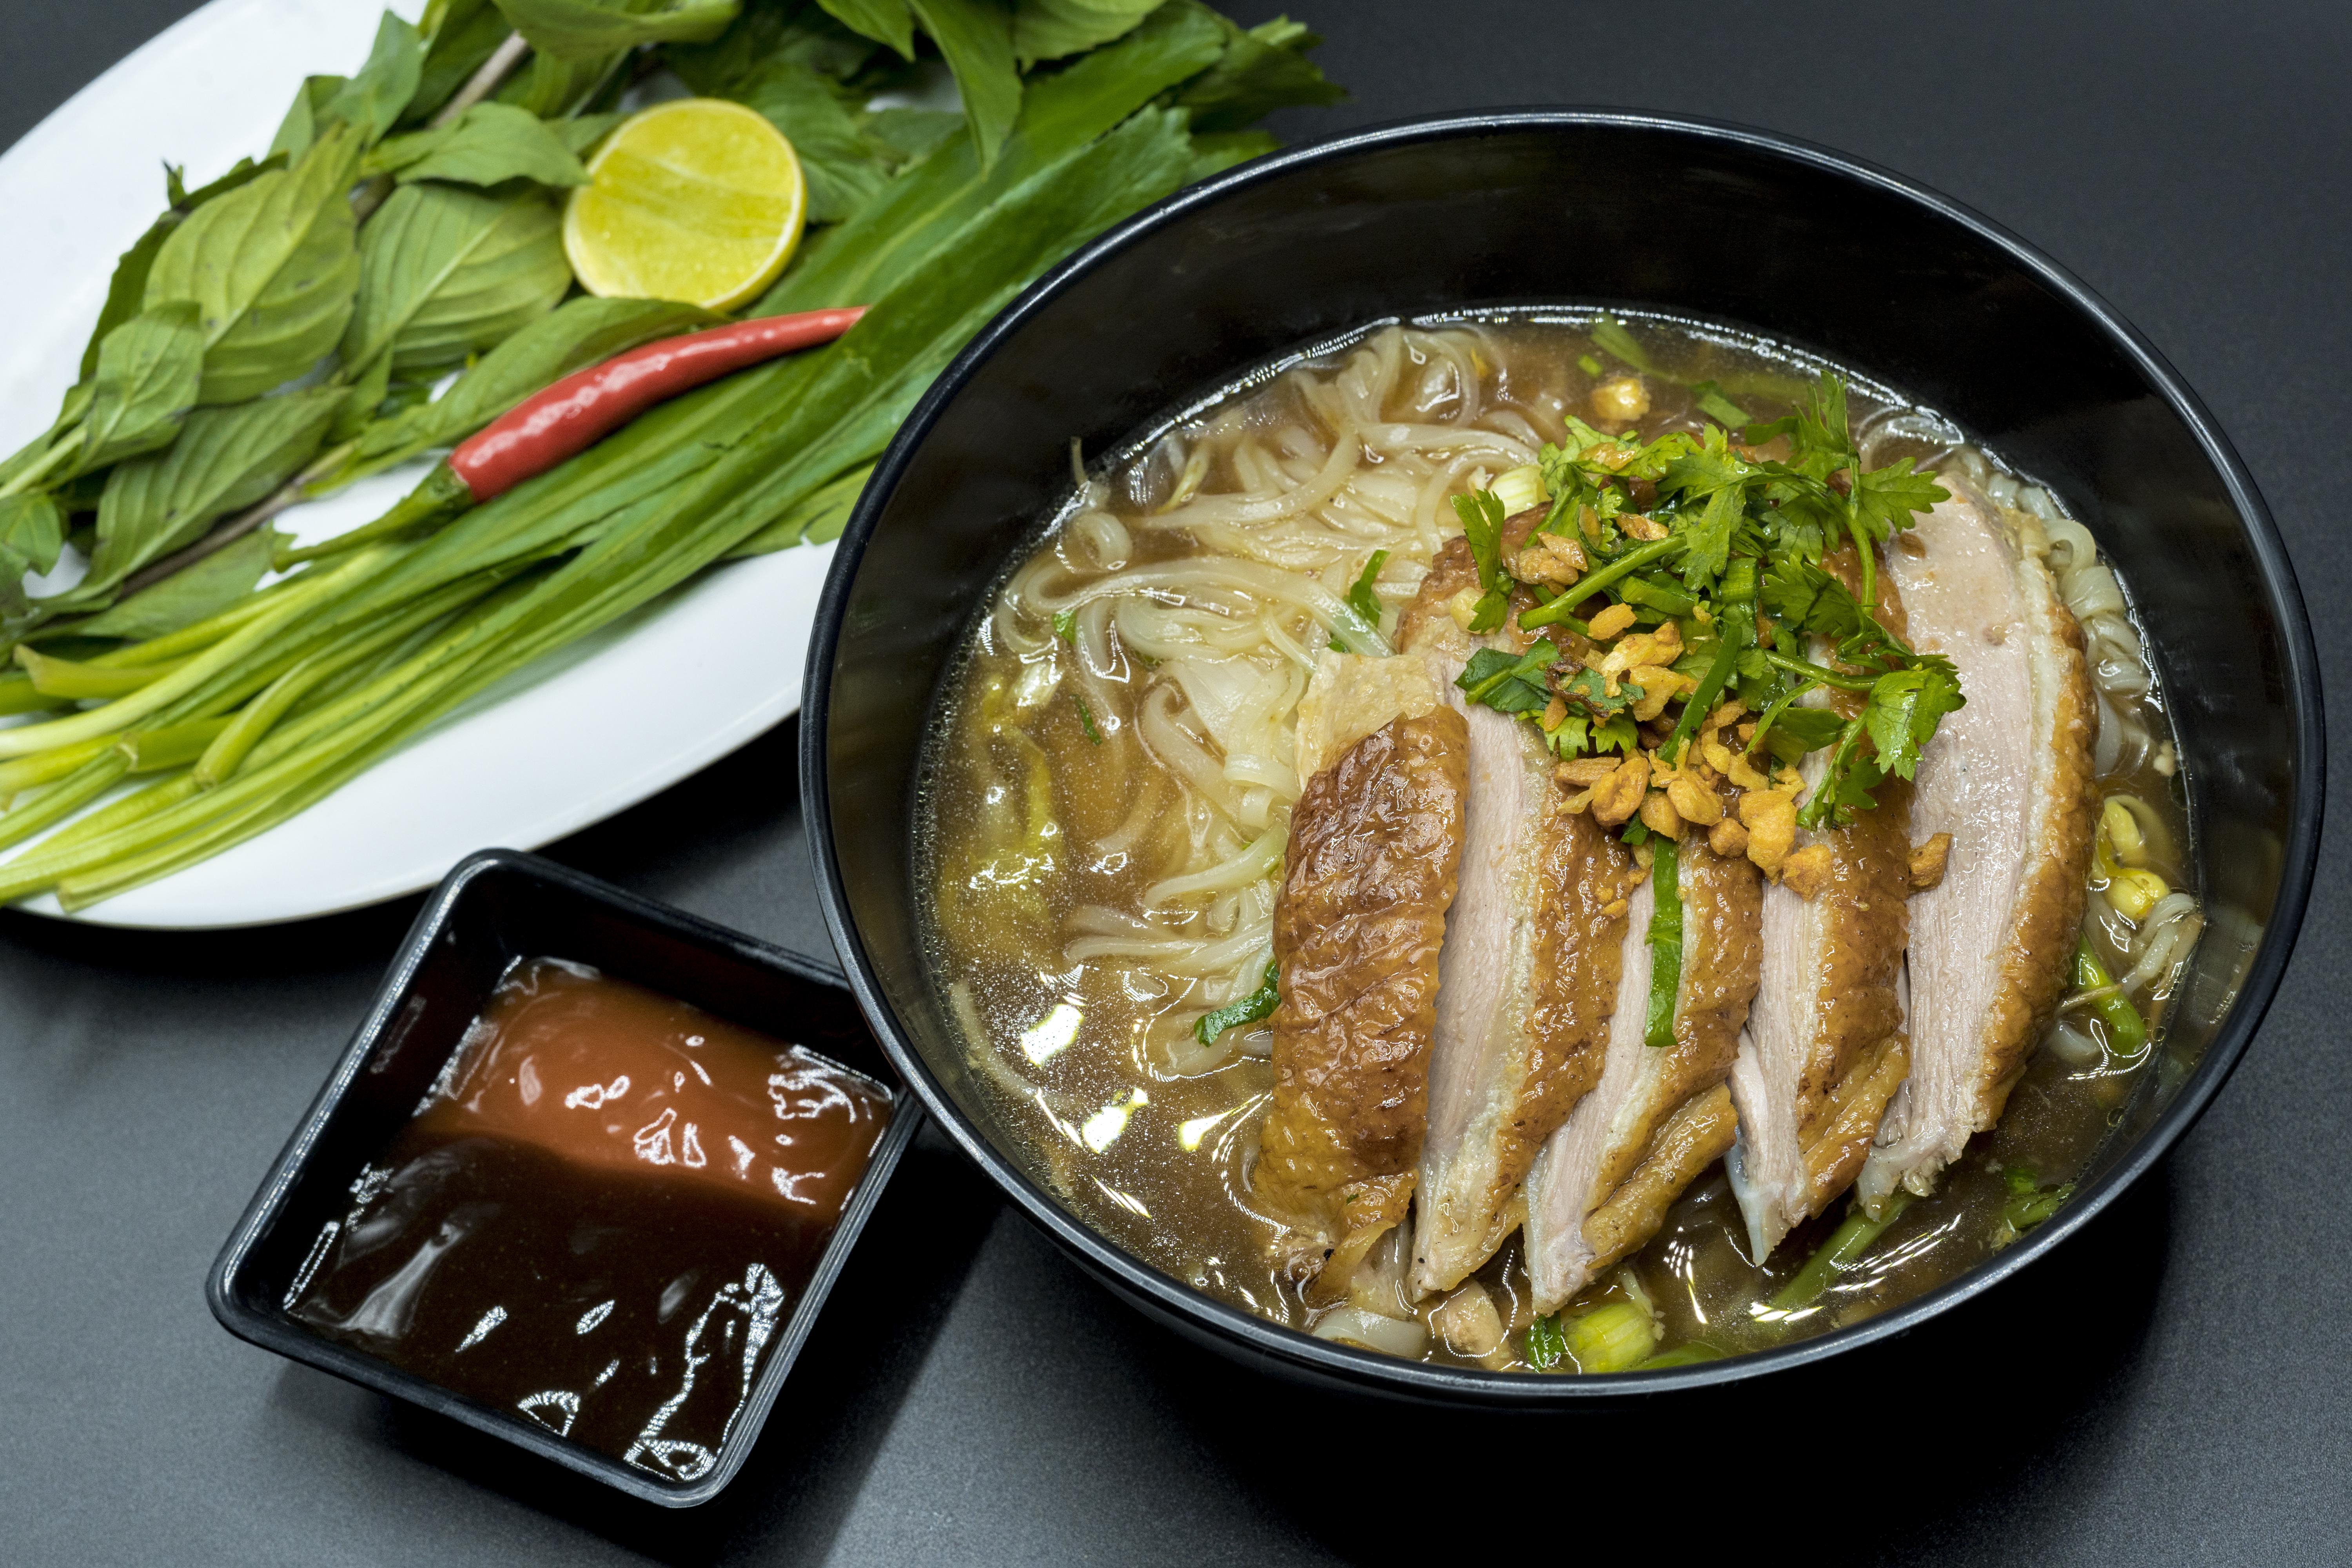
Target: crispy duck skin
{"type": "Point", "coordinates": [1374, 846]}
{"type": "Point", "coordinates": [1659, 1116]}
{"type": "Point", "coordinates": [1528, 972]}
{"type": "Point", "coordinates": [2009, 777]}
{"type": "Point", "coordinates": [1826, 1045]}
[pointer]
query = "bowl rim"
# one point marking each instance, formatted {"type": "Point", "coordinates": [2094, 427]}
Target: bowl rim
{"type": "Point", "coordinates": [1157, 1293]}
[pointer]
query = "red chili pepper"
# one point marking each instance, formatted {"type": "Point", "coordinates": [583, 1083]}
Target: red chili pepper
{"type": "Point", "coordinates": [574, 414]}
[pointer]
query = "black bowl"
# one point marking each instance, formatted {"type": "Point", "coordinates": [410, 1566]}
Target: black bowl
{"type": "Point", "coordinates": [1450, 215]}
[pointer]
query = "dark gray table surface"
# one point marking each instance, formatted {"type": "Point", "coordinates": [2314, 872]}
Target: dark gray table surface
{"type": "Point", "coordinates": [2171, 1389]}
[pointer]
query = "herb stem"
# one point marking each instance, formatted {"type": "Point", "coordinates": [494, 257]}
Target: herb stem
{"type": "Point", "coordinates": [1632, 561]}
{"type": "Point", "coordinates": [1816, 673]}
{"type": "Point", "coordinates": [237, 527]}
{"type": "Point", "coordinates": [38, 468]}
{"type": "Point", "coordinates": [485, 80]}
{"type": "Point", "coordinates": [1840, 1253]}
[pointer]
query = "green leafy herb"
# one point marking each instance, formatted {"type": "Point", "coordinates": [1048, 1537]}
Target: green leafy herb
{"type": "Point", "coordinates": [1259, 1003]}
{"type": "Point", "coordinates": [1086, 719]}
{"type": "Point", "coordinates": [32, 533]}
{"type": "Point", "coordinates": [225, 459]}
{"type": "Point", "coordinates": [272, 267]}
{"type": "Point", "coordinates": [1510, 685]}
{"type": "Point", "coordinates": [371, 103]}
{"type": "Point", "coordinates": [586, 29]}
{"type": "Point", "coordinates": [1261, 68]}
{"type": "Point", "coordinates": [489, 143]}
{"type": "Point", "coordinates": [1481, 513]}
{"type": "Point", "coordinates": [1066, 626]}
{"type": "Point", "coordinates": [446, 272]}
{"type": "Point", "coordinates": [1050, 29]}
{"type": "Point", "coordinates": [146, 378]}
{"type": "Point", "coordinates": [183, 599]}
{"type": "Point", "coordinates": [1547, 1345]}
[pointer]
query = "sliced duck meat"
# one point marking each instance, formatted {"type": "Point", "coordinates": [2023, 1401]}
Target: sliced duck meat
{"type": "Point", "coordinates": [2010, 779]}
{"type": "Point", "coordinates": [1661, 1114]}
{"type": "Point", "coordinates": [1375, 841]}
{"type": "Point", "coordinates": [1826, 1045]}
{"type": "Point", "coordinates": [1528, 972]}
{"type": "Point", "coordinates": [1527, 982]}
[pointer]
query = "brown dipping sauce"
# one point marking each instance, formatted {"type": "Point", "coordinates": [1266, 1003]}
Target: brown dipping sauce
{"type": "Point", "coordinates": [599, 1216]}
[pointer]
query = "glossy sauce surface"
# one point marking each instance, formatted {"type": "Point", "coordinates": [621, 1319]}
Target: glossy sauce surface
{"type": "Point", "coordinates": [601, 1215]}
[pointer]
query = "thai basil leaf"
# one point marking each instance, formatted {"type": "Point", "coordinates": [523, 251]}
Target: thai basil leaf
{"type": "Point", "coordinates": [188, 596]}
{"type": "Point", "coordinates": [491, 142]}
{"type": "Point", "coordinates": [580, 333]}
{"type": "Point", "coordinates": [225, 459]}
{"type": "Point", "coordinates": [300, 128]}
{"type": "Point", "coordinates": [446, 272]}
{"type": "Point", "coordinates": [465, 33]}
{"type": "Point", "coordinates": [272, 266]}
{"type": "Point", "coordinates": [372, 102]}
{"type": "Point", "coordinates": [582, 29]}
{"type": "Point", "coordinates": [1049, 29]}
{"type": "Point", "coordinates": [32, 533]}
{"type": "Point", "coordinates": [148, 372]}
{"type": "Point", "coordinates": [126, 291]}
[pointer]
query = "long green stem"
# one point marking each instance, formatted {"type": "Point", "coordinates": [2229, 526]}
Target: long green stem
{"type": "Point", "coordinates": [1584, 588]}
{"type": "Point", "coordinates": [1840, 1253]}
{"type": "Point", "coordinates": [38, 468]}
{"type": "Point", "coordinates": [124, 712]}
{"type": "Point", "coordinates": [1820, 674]}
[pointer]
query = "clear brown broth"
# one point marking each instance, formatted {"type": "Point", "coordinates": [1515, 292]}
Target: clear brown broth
{"type": "Point", "coordinates": [1158, 1163]}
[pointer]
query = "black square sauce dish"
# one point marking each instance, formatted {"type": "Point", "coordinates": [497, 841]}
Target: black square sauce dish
{"type": "Point", "coordinates": [582, 1180]}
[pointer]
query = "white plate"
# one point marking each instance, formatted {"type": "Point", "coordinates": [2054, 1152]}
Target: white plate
{"type": "Point", "coordinates": [600, 728]}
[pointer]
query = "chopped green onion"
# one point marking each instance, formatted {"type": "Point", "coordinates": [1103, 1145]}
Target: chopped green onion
{"type": "Point", "coordinates": [2127, 1030]}
{"type": "Point", "coordinates": [1665, 941]}
{"type": "Point", "coordinates": [1248, 1010]}
{"type": "Point", "coordinates": [1840, 1253]}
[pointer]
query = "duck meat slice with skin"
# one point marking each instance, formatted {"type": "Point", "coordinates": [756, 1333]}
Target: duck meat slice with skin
{"type": "Point", "coordinates": [1375, 841]}
{"type": "Point", "coordinates": [1660, 1114]}
{"type": "Point", "coordinates": [2010, 779]}
{"type": "Point", "coordinates": [1528, 972]}
{"type": "Point", "coordinates": [1826, 1047]}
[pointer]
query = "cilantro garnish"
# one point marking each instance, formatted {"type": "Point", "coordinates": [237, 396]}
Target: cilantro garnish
{"type": "Point", "coordinates": [1727, 544]}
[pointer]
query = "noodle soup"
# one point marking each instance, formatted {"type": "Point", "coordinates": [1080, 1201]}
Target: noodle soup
{"type": "Point", "coordinates": [1109, 803]}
